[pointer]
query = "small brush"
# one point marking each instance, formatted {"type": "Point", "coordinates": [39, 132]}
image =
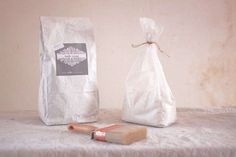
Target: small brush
{"type": "Point", "coordinates": [115, 133]}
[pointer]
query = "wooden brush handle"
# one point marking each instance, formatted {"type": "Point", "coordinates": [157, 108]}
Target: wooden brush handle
{"type": "Point", "coordinates": [81, 128]}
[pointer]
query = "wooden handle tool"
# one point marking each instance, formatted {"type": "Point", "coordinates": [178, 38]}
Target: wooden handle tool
{"type": "Point", "coordinates": [81, 128]}
{"type": "Point", "coordinates": [115, 133]}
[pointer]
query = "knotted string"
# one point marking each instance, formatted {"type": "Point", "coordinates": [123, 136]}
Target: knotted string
{"type": "Point", "coordinates": [150, 42]}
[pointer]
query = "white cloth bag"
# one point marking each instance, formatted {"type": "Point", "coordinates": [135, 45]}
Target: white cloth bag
{"type": "Point", "coordinates": [148, 98]}
{"type": "Point", "coordinates": [68, 83]}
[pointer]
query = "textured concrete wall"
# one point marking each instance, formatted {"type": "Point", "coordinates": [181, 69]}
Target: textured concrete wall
{"type": "Point", "coordinates": [199, 36]}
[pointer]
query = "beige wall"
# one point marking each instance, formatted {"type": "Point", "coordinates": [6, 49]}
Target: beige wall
{"type": "Point", "coordinates": [199, 35]}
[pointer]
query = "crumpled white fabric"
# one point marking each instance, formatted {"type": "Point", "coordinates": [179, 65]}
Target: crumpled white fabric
{"type": "Point", "coordinates": [148, 98]}
{"type": "Point", "coordinates": [198, 133]}
{"type": "Point", "coordinates": [63, 99]}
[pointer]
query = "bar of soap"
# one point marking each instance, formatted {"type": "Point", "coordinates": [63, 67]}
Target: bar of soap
{"type": "Point", "coordinates": [121, 134]}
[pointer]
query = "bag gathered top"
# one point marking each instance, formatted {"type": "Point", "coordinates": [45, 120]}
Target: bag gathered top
{"type": "Point", "coordinates": [148, 98]}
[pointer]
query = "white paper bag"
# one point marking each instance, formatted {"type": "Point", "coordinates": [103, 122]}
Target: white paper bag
{"type": "Point", "coordinates": [148, 98]}
{"type": "Point", "coordinates": [68, 83]}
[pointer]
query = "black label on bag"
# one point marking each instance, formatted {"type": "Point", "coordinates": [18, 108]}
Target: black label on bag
{"type": "Point", "coordinates": [72, 59]}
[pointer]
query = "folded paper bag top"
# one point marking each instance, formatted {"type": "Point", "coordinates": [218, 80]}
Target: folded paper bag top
{"type": "Point", "coordinates": [68, 83]}
{"type": "Point", "coordinates": [114, 133]}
